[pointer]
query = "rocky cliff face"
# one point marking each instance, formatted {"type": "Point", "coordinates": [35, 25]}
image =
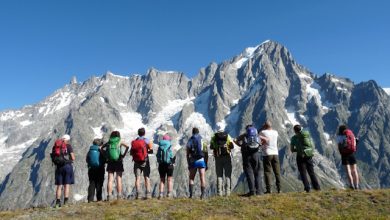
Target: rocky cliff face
{"type": "Point", "coordinates": [262, 83]}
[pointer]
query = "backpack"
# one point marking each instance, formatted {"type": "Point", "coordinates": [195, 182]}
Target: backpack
{"type": "Point", "coordinates": [164, 152]}
{"type": "Point", "coordinates": [306, 146]}
{"type": "Point", "coordinates": [221, 147]}
{"type": "Point", "coordinates": [94, 156]}
{"type": "Point", "coordinates": [59, 152]}
{"type": "Point", "coordinates": [251, 138]}
{"type": "Point", "coordinates": [114, 150]}
{"type": "Point", "coordinates": [348, 146]}
{"type": "Point", "coordinates": [196, 147]}
{"type": "Point", "coordinates": [139, 150]}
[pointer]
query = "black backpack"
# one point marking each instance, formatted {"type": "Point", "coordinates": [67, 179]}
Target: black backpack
{"type": "Point", "coordinates": [221, 148]}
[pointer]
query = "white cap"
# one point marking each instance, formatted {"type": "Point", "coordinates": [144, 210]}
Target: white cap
{"type": "Point", "coordinates": [66, 137]}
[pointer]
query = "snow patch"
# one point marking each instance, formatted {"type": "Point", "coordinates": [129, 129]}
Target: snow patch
{"type": "Point", "coordinates": [10, 115]}
{"type": "Point", "coordinates": [98, 132]}
{"type": "Point", "coordinates": [245, 56]}
{"type": "Point", "coordinates": [197, 120]}
{"type": "Point", "coordinates": [166, 114]}
{"type": "Point", "coordinates": [222, 124]}
{"type": "Point", "coordinates": [290, 112]}
{"type": "Point", "coordinates": [79, 197]}
{"type": "Point", "coordinates": [102, 99]}
{"type": "Point", "coordinates": [25, 123]}
{"type": "Point", "coordinates": [328, 140]}
{"type": "Point", "coordinates": [387, 90]}
{"type": "Point", "coordinates": [304, 76]}
{"type": "Point", "coordinates": [10, 156]}
{"type": "Point", "coordinates": [122, 104]}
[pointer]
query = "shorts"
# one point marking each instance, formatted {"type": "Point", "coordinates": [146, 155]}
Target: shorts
{"type": "Point", "coordinates": [165, 170]}
{"type": "Point", "coordinates": [115, 166]}
{"type": "Point", "coordinates": [140, 168]}
{"type": "Point", "coordinates": [198, 164]}
{"type": "Point", "coordinates": [348, 159]}
{"type": "Point", "coordinates": [64, 175]}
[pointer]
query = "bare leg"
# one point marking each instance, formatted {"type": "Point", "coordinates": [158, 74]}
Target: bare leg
{"type": "Point", "coordinates": [170, 184]}
{"type": "Point", "coordinates": [66, 190]}
{"type": "Point", "coordinates": [109, 183]}
{"type": "Point", "coordinates": [119, 184]}
{"type": "Point", "coordinates": [349, 175]}
{"type": "Point", "coordinates": [58, 192]}
{"type": "Point", "coordinates": [355, 176]}
{"type": "Point", "coordinates": [162, 183]}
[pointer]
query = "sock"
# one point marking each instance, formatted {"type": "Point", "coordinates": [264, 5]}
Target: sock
{"type": "Point", "coordinates": [191, 186]}
{"type": "Point", "coordinates": [58, 201]}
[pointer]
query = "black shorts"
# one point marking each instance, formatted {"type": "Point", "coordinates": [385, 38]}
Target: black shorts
{"type": "Point", "coordinates": [114, 167]}
{"type": "Point", "coordinates": [348, 159]}
{"type": "Point", "coordinates": [165, 170]}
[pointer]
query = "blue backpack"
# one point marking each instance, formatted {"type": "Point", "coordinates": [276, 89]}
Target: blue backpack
{"type": "Point", "coordinates": [164, 152]}
{"type": "Point", "coordinates": [196, 147]}
{"type": "Point", "coordinates": [251, 138]}
{"type": "Point", "coordinates": [94, 157]}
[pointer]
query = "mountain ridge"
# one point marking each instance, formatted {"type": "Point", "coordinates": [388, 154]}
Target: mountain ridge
{"type": "Point", "coordinates": [268, 84]}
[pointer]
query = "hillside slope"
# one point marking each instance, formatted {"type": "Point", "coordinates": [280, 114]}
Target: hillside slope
{"type": "Point", "coordinates": [334, 204]}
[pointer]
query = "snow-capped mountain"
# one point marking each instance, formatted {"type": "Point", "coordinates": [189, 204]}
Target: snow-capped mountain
{"type": "Point", "coordinates": [262, 83]}
{"type": "Point", "coordinates": [387, 90]}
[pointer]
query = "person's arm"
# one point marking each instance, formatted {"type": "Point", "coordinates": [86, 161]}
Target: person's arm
{"type": "Point", "coordinates": [126, 150]}
{"type": "Point", "coordinates": [293, 145]}
{"type": "Point", "coordinates": [229, 142]}
{"type": "Point", "coordinates": [72, 157]}
{"type": "Point", "coordinates": [238, 141]}
{"type": "Point", "coordinates": [263, 137]}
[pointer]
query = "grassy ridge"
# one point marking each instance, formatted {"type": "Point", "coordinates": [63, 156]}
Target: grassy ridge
{"type": "Point", "coordinates": [366, 204]}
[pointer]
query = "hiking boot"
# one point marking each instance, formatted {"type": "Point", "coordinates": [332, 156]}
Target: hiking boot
{"type": "Point", "coordinates": [148, 196]}
{"type": "Point", "coordinates": [249, 194]}
{"type": "Point", "coordinates": [202, 196]}
{"type": "Point", "coordinates": [267, 192]}
{"type": "Point", "coordinates": [108, 198]}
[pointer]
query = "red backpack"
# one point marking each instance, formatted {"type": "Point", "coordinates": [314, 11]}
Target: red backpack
{"type": "Point", "coordinates": [139, 150]}
{"type": "Point", "coordinates": [59, 151]}
{"type": "Point", "coordinates": [349, 144]}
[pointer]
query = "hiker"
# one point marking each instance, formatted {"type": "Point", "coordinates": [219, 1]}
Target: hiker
{"type": "Point", "coordinates": [139, 151]}
{"type": "Point", "coordinates": [166, 162]}
{"type": "Point", "coordinates": [347, 147]}
{"type": "Point", "coordinates": [222, 146]}
{"type": "Point", "coordinates": [114, 158]}
{"type": "Point", "coordinates": [249, 143]}
{"type": "Point", "coordinates": [269, 139]}
{"type": "Point", "coordinates": [196, 152]}
{"type": "Point", "coordinates": [302, 144]}
{"type": "Point", "coordinates": [95, 161]}
{"type": "Point", "coordinates": [63, 157]}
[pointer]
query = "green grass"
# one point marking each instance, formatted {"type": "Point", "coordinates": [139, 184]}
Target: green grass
{"type": "Point", "coordinates": [333, 204]}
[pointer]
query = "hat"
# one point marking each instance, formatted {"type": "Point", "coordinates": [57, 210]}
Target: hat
{"type": "Point", "coordinates": [166, 137]}
{"type": "Point", "coordinates": [66, 137]}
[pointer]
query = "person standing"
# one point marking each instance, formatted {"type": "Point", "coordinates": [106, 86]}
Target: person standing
{"type": "Point", "coordinates": [166, 162]}
{"type": "Point", "coordinates": [196, 152]}
{"type": "Point", "coordinates": [249, 143]}
{"type": "Point", "coordinates": [95, 162]}
{"type": "Point", "coordinates": [222, 146]}
{"type": "Point", "coordinates": [347, 147]}
{"type": "Point", "coordinates": [302, 144]}
{"type": "Point", "coordinates": [139, 151]}
{"type": "Point", "coordinates": [114, 157]}
{"type": "Point", "coordinates": [269, 138]}
{"type": "Point", "coordinates": [62, 156]}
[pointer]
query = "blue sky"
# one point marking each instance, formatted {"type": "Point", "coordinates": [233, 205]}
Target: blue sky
{"type": "Point", "coordinates": [44, 43]}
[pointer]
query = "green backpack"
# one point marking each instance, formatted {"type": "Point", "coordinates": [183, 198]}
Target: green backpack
{"type": "Point", "coordinates": [306, 146]}
{"type": "Point", "coordinates": [113, 151]}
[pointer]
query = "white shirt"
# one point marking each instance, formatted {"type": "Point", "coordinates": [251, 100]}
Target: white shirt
{"type": "Point", "coordinates": [271, 146]}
